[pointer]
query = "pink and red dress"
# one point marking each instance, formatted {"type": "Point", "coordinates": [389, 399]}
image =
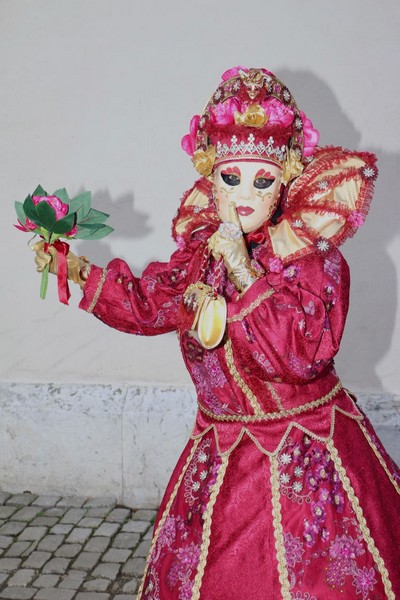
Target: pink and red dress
{"type": "Point", "coordinates": [283, 490]}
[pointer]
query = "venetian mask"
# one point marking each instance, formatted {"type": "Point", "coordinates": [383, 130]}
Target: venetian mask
{"type": "Point", "coordinates": [254, 186]}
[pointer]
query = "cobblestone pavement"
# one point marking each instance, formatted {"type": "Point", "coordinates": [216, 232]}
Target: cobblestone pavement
{"type": "Point", "coordinates": [71, 548]}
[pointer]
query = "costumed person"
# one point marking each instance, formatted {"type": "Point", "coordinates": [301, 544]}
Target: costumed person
{"type": "Point", "coordinates": [283, 490]}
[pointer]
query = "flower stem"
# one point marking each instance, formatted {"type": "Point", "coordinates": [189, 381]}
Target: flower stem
{"type": "Point", "coordinates": [44, 282]}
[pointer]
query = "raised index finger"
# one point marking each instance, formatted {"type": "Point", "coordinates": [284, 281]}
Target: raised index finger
{"type": "Point", "coordinates": [233, 215]}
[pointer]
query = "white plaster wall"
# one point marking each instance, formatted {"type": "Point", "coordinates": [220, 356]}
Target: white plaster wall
{"type": "Point", "coordinates": [96, 94]}
{"type": "Point", "coordinates": [118, 441]}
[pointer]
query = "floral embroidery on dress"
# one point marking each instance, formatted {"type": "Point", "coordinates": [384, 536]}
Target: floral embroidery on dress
{"type": "Point", "coordinates": [167, 309]}
{"type": "Point", "coordinates": [332, 266]}
{"type": "Point", "coordinates": [207, 374]}
{"type": "Point", "coordinates": [193, 350]}
{"type": "Point", "coordinates": [293, 465]}
{"type": "Point", "coordinates": [248, 331]}
{"type": "Point", "coordinates": [150, 283]}
{"type": "Point", "coordinates": [160, 318]}
{"type": "Point", "coordinates": [291, 273]}
{"type": "Point", "coordinates": [126, 303]}
{"type": "Point", "coordinates": [329, 297]}
{"type": "Point", "coordinates": [213, 367]}
{"type": "Point", "coordinates": [152, 591]}
{"type": "Point", "coordinates": [177, 549]}
{"type": "Point", "coordinates": [328, 536]}
{"type": "Point", "coordinates": [264, 362]}
{"type": "Point", "coordinates": [304, 369]}
{"type": "Point", "coordinates": [176, 275]}
{"type": "Point", "coordinates": [300, 596]}
{"type": "Point", "coordinates": [343, 552]}
{"type": "Point", "coordinates": [197, 472]}
{"type": "Point", "coordinates": [310, 308]}
{"type": "Point", "coordinates": [364, 581]}
{"type": "Point", "coordinates": [293, 549]}
{"type": "Point", "coordinates": [186, 561]}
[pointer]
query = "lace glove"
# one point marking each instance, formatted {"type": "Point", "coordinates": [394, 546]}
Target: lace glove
{"type": "Point", "coordinates": [228, 242]}
{"type": "Point", "coordinates": [78, 267]}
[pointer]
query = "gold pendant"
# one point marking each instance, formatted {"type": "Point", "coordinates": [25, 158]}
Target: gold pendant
{"type": "Point", "coordinates": [210, 312]}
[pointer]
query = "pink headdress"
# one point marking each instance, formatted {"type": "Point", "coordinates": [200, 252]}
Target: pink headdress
{"type": "Point", "coordinates": [251, 116]}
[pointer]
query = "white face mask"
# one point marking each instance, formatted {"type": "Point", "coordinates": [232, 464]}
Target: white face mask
{"type": "Point", "coordinates": [253, 186]}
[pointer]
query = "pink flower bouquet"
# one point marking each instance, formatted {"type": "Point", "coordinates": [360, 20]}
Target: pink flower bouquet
{"type": "Point", "coordinates": [57, 216]}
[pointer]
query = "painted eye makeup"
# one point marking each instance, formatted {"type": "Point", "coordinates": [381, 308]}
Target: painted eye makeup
{"type": "Point", "coordinates": [230, 178]}
{"type": "Point", "coordinates": [262, 183]}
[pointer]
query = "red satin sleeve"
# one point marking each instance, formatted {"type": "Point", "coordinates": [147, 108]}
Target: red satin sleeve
{"type": "Point", "coordinates": [145, 306]}
{"type": "Point", "coordinates": [288, 325]}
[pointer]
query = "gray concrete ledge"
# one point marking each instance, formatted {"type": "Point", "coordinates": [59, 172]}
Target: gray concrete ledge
{"type": "Point", "coordinates": [106, 440]}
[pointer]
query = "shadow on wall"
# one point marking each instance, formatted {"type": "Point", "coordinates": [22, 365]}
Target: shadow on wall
{"type": "Point", "coordinates": [371, 324]}
{"type": "Point", "coordinates": [127, 222]}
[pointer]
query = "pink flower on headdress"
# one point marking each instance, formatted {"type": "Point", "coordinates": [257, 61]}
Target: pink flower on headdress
{"type": "Point", "coordinates": [223, 113]}
{"type": "Point", "coordinates": [356, 219]}
{"type": "Point", "coordinates": [188, 142]}
{"type": "Point", "coordinates": [278, 113]}
{"type": "Point", "coordinates": [311, 135]}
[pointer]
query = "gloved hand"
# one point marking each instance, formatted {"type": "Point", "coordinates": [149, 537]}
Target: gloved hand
{"type": "Point", "coordinates": [228, 242]}
{"type": "Point", "coordinates": [77, 267]}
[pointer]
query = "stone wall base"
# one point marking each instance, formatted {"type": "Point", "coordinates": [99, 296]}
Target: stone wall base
{"type": "Point", "coordinates": [123, 442]}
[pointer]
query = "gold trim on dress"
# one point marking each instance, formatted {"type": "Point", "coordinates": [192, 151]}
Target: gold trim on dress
{"type": "Point", "coordinates": [98, 291]}
{"type": "Point", "coordinates": [293, 424]}
{"type": "Point", "coordinates": [379, 457]}
{"type": "Point", "coordinates": [274, 395]}
{"type": "Point", "coordinates": [355, 503]}
{"type": "Point", "coordinates": [207, 529]}
{"type": "Point", "coordinates": [272, 415]}
{"type": "Point", "coordinates": [166, 513]}
{"type": "Point", "coordinates": [278, 530]}
{"type": "Point", "coordinates": [242, 384]}
{"type": "Point", "coordinates": [246, 311]}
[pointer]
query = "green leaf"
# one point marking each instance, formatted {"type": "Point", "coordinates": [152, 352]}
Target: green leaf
{"type": "Point", "coordinates": [65, 224]}
{"type": "Point", "coordinates": [102, 232]}
{"type": "Point", "coordinates": [39, 191]}
{"type": "Point", "coordinates": [30, 210]}
{"type": "Point", "coordinates": [94, 234]}
{"type": "Point", "coordinates": [46, 214]}
{"type": "Point", "coordinates": [62, 194]}
{"type": "Point", "coordinates": [81, 204]}
{"type": "Point", "coordinates": [19, 209]}
{"type": "Point", "coordinates": [90, 225]}
{"type": "Point", "coordinates": [84, 234]}
{"type": "Point", "coordinates": [94, 216]}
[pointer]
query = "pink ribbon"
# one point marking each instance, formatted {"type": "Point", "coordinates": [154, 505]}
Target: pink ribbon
{"type": "Point", "coordinates": [62, 249]}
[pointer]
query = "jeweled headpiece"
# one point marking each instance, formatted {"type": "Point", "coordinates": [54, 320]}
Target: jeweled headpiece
{"type": "Point", "coordinates": [251, 116]}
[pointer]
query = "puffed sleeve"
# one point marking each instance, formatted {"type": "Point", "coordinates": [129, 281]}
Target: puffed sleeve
{"type": "Point", "coordinates": [145, 306]}
{"type": "Point", "coordinates": [288, 325]}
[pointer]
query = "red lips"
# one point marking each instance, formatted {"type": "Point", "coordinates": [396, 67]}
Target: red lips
{"type": "Point", "coordinates": [244, 211]}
